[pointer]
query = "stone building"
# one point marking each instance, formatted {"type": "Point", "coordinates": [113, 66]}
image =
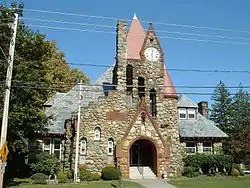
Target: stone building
{"type": "Point", "coordinates": [131, 116]}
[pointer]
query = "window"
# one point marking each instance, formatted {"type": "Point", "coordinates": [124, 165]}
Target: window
{"type": "Point", "coordinates": [52, 146]}
{"type": "Point", "coordinates": [97, 135]}
{"type": "Point", "coordinates": [110, 146]}
{"type": "Point", "coordinates": [83, 146]}
{"type": "Point", "coordinates": [207, 147]}
{"type": "Point", "coordinates": [47, 145]}
{"type": "Point", "coordinates": [57, 147]}
{"type": "Point", "coordinates": [190, 147]}
{"type": "Point", "coordinates": [153, 102]}
{"type": "Point", "coordinates": [141, 87]}
{"type": "Point", "coordinates": [191, 113]}
{"type": "Point", "coordinates": [129, 77]}
{"type": "Point", "coordinates": [182, 113]}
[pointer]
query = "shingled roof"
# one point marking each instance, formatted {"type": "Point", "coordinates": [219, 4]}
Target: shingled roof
{"type": "Point", "coordinates": [199, 127]}
{"type": "Point", "coordinates": [66, 104]}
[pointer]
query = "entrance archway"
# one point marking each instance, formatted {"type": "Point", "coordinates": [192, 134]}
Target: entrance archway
{"type": "Point", "coordinates": [143, 153]}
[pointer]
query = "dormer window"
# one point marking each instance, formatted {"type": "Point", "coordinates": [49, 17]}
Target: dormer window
{"type": "Point", "coordinates": [182, 113]}
{"type": "Point", "coordinates": [191, 113]}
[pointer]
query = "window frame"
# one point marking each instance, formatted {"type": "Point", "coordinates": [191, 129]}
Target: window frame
{"type": "Point", "coordinates": [179, 111]}
{"type": "Point", "coordinates": [195, 148]}
{"type": "Point", "coordinates": [111, 140]}
{"type": "Point", "coordinates": [99, 133]}
{"type": "Point", "coordinates": [211, 147]}
{"type": "Point", "coordinates": [50, 145]}
{"type": "Point", "coordinates": [193, 112]}
{"type": "Point", "coordinates": [83, 140]}
{"type": "Point", "coordinates": [60, 149]}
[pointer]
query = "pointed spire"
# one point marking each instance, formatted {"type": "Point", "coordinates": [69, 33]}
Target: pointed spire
{"type": "Point", "coordinates": [169, 89]}
{"type": "Point", "coordinates": [135, 17]}
{"type": "Point", "coordinates": [135, 39]}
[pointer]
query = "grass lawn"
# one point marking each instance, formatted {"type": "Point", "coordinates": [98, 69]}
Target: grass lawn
{"type": "Point", "coordinates": [212, 182]}
{"type": "Point", "coordinates": [99, 184]}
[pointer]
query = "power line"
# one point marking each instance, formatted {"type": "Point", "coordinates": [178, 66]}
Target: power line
{"type": "Point", "coordinates": [155, 22]}
{"type": "Point", "coordinates": [168, 69]}
{"type": "Point", "coordinates": [114, 85]}
{"type": "Point", "coordinates": [110, 32]}
{"type": "Point", "coordinates": [114, 27]}
{"type": "Point", "coordinates": [102, 91]}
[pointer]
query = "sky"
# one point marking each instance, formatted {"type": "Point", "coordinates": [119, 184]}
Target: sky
{"type": "Point", "coordinates": [99, 48]}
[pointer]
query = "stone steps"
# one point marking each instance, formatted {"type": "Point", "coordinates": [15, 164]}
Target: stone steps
{"type": "Point", "coordinates": [145, 172]}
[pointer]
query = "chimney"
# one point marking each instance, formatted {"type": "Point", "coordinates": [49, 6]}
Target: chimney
{"type": "Point", "coordinates": [203, 108]}
{"type": "Point", "coordinates": [119, 72]}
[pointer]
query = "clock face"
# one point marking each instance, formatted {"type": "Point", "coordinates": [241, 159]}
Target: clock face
{"type": "Point", "coordinates": [152, 54]}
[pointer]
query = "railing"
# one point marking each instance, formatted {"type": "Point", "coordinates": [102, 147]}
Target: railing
{"type": "Point", "coordinates": [140, 168]}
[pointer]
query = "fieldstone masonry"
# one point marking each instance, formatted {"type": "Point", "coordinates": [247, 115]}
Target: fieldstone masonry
{"type": "Point", "coordinates": [124, 123]}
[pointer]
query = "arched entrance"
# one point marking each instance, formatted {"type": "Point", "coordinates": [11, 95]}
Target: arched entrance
{"type": "Point", "coordinates": [143, 154]}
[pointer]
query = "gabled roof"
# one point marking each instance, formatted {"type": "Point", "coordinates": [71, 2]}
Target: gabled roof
{"type": "Point", "coordinates": [200, 127]}
{"type": "Point", "coordinates": [185, 102]}
{"type": "Point", "coordinates": [64, 106]}
{"type": "Point", "coordinates": [169, 89]}
{"type": "Point", "coordinates": [135, 39]}
{"type": "Point", "coordinates": [53, 99]}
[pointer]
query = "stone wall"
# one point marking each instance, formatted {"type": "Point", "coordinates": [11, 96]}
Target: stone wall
{"type": "Point", "coordinates": [120, 118]}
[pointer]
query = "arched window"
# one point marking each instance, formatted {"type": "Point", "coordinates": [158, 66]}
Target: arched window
{"type": "Point", "coordinates": [83, 146]}
{"type": "Point", "coordinates": [153, 108]}
{"type": "Point", "coordinates": [141, 87]}
{"type": "Point", "coordinates": [97, 133]}
{"type": "Point", "coordinates": [129, 77]}
{"type": "Point", "coordinates": [110, 146]}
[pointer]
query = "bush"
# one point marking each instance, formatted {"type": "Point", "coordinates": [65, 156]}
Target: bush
{"type": "Point", "coordinates": [206, 162]}
{"type": "Point", "coordinates": [240, 170]}
{"type": "Point", "coordinates": [235, 172]}
{"type": "Point", "coordinates": [96, 177]}
{"type": "Point", "coordinates": [111, 173]}
{"type": "Point", "coordinates": [39, 178]}
{"type": "Point", "coordinates": [85, 174]}
{"type": "Point", "coordinates": [62, 176]}
{"type": "Point", "coordinates": [190, 172]}
{"type": "Point", "coordinates": [45, 163]}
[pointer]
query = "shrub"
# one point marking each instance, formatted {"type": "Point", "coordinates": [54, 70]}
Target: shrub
{"type": "Point", "coordinates": [205, 162]}
{"type": "Point", "coordinates": [190, 172]}
{"type": "Point", "coordinates": [39, 178]}
{"type": "Point", "coordinates": [111, 173]}
{"type": "Point", "coordinates": [96, 177]}
{"type": "Point", "coordinates": [85, 174]}
{"type": "Point", "coordinates": [240, 170]}
{"type": "Point", "coordinates": [45, 163]}
{"type": "Point", "coordinates": [235, 172]}
{"type": "Point", "coordinates": [62, 176]}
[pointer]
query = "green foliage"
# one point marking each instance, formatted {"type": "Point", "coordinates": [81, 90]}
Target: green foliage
{"type": "Point", "coordinates": [111, 173]}
{"type": "Point", "coordinates": [85, 174]}
{"type": "Point", "coordinates": [205, 162]}
{"type": "Point", "coordinates": [96, 177]}
{"type": "Point", "coordinates": [39, 62]}
{"type": "Point", "coordinates": [220, 112]}
{"type": "Point", "coordinates": [45, 163]}
{"type": "Point", "coordinates": [240, 170]}
{"type": "Point", "coordinates": [62, 176]}
{"type": "Point", "coordinates": [190, 172]}
{"type": "Point", "coordinates": [235, 172]}
{"type": "Point", "coordinates": [39, 178]}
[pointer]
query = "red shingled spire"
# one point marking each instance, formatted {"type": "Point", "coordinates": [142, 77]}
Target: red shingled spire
{"type": "Point", "coordinates": [135, 39]}
{"type": "Point", "coordinates": [169, 91]}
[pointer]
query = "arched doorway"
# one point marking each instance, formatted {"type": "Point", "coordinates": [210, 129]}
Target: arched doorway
{"type": "Point", "coordinates": [143, 154]}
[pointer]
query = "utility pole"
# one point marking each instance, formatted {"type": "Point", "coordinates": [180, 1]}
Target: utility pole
{"type": "Point", "coordinates": [78, 134]}
{"type": "Point", "coordinates": [7, 95]}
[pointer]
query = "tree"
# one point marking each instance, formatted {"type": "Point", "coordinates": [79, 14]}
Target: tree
{"type": "Point", "coordinates": [38, 68]}
{"type": "Point", "coordinates": [220, 112]}
{"type": "Point", "coordinates": [239, 141]}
